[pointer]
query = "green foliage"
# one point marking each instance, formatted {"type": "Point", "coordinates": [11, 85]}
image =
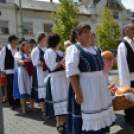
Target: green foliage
{"type": "Point", "coordinates": [115, 66]}
{"type": "Point", "coordinates": [107, 31]}
{"type": "Point", "coordinates": [65, 19]}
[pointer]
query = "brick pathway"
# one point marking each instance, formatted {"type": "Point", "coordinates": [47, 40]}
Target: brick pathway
{"type": "Point", "coordinates": [15, 123]}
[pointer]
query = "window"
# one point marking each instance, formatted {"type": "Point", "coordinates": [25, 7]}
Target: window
{"type": "Point", "coordinates": [115, 15]}
{"type": "Point", "coordinates": [4, 27]}
{"type": "Point", "coordinates": [28, 28]}
{"type": "Point", "coordinates": [4, 1]}
{"type": "Point", "coordinates": [47, 28]}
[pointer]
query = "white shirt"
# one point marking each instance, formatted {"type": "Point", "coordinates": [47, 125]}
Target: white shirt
{"type": "Point", "coordinates": [35, 55]}
{"type": "Point", "coordinates": [50, 58]}
{"type": "Point", "coordinates": [124, 74]}
{"type": "Point", "coordinates": [3, 54]}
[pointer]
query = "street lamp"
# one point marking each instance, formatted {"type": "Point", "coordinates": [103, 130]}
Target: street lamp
{"type": "Point", "coordinates": [21, 19]}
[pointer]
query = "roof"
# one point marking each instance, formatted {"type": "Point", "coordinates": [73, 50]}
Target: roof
{"type": "Point", "coordinates": [43, 6]}
{"type": "Point", "coordinates": [113, 4]}
{"type": "Point", "coordinates": [36, 5]}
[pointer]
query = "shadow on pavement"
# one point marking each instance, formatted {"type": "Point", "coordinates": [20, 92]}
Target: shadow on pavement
{"type": "Point", "coordinates": [125, 128]}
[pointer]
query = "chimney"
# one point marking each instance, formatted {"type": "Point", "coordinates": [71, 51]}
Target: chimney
{"type": "Point", "coordinates": [51, 1]}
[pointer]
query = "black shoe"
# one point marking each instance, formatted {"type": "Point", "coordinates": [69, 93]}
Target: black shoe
{"type": "Point", "coordinates": [12, 107]}
{"type": "Point", "coordinates": [62, 131]}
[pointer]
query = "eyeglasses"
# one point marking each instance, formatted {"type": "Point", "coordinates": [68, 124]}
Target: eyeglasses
{"type": "Point", "coordinates": [87, 32]}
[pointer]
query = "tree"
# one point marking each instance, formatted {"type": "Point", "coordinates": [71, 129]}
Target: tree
{"type": "Point", "coordinates": [65, 19]}
{"type": "Point", "coordinates": [108, 31]}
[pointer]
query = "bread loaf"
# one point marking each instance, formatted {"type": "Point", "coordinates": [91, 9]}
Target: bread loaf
{"type": "Point", "coordinates": [123, 90]}
{"type": "Point", "coordinates": [107, 54]}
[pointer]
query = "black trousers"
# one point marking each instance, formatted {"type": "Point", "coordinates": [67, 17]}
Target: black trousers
{"type": "Point", "coordinates": [9, 87]}
{"type": "Point", "coordinates": [129, 113]}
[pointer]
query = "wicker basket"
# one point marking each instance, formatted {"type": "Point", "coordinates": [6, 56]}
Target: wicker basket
{"type": "Point", "coordinates": [120, 103]}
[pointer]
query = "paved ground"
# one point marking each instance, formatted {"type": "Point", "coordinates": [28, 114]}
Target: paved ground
{"type": "Point", "coordinates": [15, 123]}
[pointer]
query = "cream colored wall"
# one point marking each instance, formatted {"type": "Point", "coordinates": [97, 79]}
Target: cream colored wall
{"type": "Point", "coordinates": [38, 19]}
{"type": "Point", "coordinates": [7, 14]}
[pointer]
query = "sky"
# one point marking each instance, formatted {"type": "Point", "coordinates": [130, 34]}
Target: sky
{"type": "Point", "coordinates": [129, 4]}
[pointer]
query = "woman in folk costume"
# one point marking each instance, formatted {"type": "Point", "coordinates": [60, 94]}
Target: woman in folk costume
{"type": "Point", "coordinates": [108, 63]}
{"type": "Point", "coordinates": [92, 43]}
{"type": "Point", "coordinates": [57, 84]}
{"type": "Point", "coordinates": [22, 81]}
{"type": "Point", "coordinates": [37, 56]}
{"type": "Point", "coordinates": [34, 92]}
{"type": "Point", "coordinates": [89, 105]}
{"type": "Point", "coordinates": [92, 40]}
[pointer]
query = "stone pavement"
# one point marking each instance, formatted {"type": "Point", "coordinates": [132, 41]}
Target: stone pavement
{"type": "Point", "coordinates": [33, 123]}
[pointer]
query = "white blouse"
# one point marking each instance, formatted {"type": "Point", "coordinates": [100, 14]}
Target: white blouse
{"type": "Point", "coordinates": [35, 55]}
{"type": "Point", "coordinates": [72, 59]}
{"type": "Point", "coordinates": [50, 58]}
{"type": "Point", "coordinates": [125, 76]}
{"type": "Point", "coordinates": [19, 57]}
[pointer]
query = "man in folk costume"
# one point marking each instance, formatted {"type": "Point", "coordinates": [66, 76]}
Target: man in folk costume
{"type": "Point", "coordinates": [126, 66]}
{"type": "Point", "coordinates": [8, 65]}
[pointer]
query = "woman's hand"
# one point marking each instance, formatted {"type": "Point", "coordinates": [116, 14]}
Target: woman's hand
{"type": "Point", "coordinates": [3, 74]}
{"type": "Point", "coordinates": [41, 64]}
{"type": "Point", "coordinates": [79, 98]}
{"type": "Point", "coordinates": [21, 62]}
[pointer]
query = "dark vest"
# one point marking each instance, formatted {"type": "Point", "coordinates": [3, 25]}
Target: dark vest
{"type": "Point", "coordinates": [88, 61]}
{"type": "Point", "coordinates": [130, 56]}
{"type": "Point", "coordinates": [41, 54]}
{"type": "Point", "coordinates": [9, 60]}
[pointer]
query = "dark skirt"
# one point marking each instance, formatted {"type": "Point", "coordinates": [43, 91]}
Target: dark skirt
{"type": "Point", "coordinates": [74, 120]}
{"type": "Point", "coordinates": [34, 92]}
{"type": "Point", "coordinates": [49, 111]}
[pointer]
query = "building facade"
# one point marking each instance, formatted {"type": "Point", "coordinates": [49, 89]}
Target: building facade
{"type": "Point", "coordinates": [37, 16]}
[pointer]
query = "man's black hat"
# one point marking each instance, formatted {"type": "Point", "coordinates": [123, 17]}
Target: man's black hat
{"type": "Point", "coordinates": [32, 41]}
{"type": "Point", "coordinates": [13, 37]}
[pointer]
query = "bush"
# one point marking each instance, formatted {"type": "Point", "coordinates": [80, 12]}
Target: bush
{"type": "Point", "coordinates": [115, 66]}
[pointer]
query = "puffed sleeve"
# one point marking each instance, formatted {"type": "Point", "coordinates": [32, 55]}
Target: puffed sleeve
{"type": "Point", "coordinates": [72, 61]}
{"type": "Point", "coordinates": [2, 58]}
{"type": "Point", "coordinates": [35, 56]}
{"type": "Point", "coordinates": [124, 73]}
{"type": "Point", "coordinates": [50, 59]}
{"type": "Point", "coordinates": [17, 57]}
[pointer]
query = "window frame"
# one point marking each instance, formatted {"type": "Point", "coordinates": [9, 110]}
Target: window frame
{"type": "Point", "coordinates": [116, 15]}
{"type": "Point", "coordinates": [5, 29]}
{"type": "Point", "coordinates": [26, 30]}
{"type": "Point", "coordinates": [2, 1]}
{"type": "Point", "coordinates": [48, 31]}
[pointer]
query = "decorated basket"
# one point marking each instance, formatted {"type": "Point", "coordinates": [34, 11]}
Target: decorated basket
{"type": "Point", "coordinates": [121, 103]}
